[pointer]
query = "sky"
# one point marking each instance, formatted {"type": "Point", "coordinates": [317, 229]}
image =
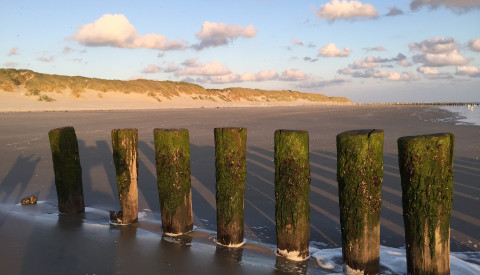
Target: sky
{"type": "Point", "coordinates": [368, 50]}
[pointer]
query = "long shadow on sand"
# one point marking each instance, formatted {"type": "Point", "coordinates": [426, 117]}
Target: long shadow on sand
{"type": "Point", "coordinates": [98, 174]}
{"type": "Point", "coordinates": [16, 181]}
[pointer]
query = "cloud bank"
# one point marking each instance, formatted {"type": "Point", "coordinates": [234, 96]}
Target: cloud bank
{"type": "Point", "coordinates": [458, 6]}
{"type": "Point", "coordinates": [437, 52]}
{"type": "Point", "coordinates": [432, 73]}
{"type": "Point", "coordinates": [218, 34]}
{"type": "Point", "coordinates": [468, 70]}
{"type": "Point", "coordinates": [215, 73]}
{"type": "Point", "coordinates": [343, 9]}
{"type": "Point", "coordinates": [116, 31]}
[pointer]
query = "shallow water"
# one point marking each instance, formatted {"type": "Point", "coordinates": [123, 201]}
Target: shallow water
{"type": "Point", "coordinates": [465, 114]}
{"type": "Point", "coordinates": [138, 244]}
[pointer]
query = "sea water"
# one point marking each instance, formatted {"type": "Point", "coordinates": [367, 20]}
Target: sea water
{"type": "Point", "coordinates": [468, 114]}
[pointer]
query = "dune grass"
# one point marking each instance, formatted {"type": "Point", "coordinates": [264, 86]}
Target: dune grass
{"type": "Point", "coordinates": [11, 79]}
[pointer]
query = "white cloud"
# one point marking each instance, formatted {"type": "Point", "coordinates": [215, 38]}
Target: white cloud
{"type": "Point", "coordinates": [46, 58]}
{"type": "Point", "coordinates": [222, 79]}
{"type": "Point", "coordinates": [373, 62]}
{"type": "Point", "coordinates": [435, 45]}
{"type": "Point", "coordinates": [297, 42]}
{"type": "Point", "coordinates": [151, 69]}
{"type": "Point", "coordinates": [260, 76]}
{"type": "Point", "coordinates": [375, 49]}
{"type": "Point", "coordinates": [404, 63]}
{"type": "Point", "coordinates": [191, 62]}
{"type": "Point", "coordinates": [458, 6]}
{"type": "Point", "coordinates": [13, 51]}
{"type": "Point", "coordinates": [115, 30]}
{"type": "Point", "coordinates": [442, 59]}
{"type": "Point", "coordinates": [432, 73]}
{"type": "Point", "coordinates": [311, 84]}
{"type": "Point", "coordinates": [67, 50]}
{"type": "Point", "coordinates": [331, 50]}
{"type": "Point", "coordinates": [474, 44]}
{"type": "Point", "coordinates": [380, 74]}
{"type": "Point", "coordinates": [218, 34]}
{"type": "Point", "coordinates": [233, 77]}
{"type": "Point", "coordinates": [394, 11]}
{"type": "Point", "coordinates": [213, 68]}
{"type": "Point", "coordinates": [437, 52]}
{"type": "Point", "coordinates": [368, 62]}
{"type": "Point", "coordinates": [343, 9]}
{"type": "Point", "coordinates": [172, 67]}
{"type": "Point", "coordinates": [10, 64]}
{"type": "Point", "coordinates": [293, 75]}
{"type": "Point", "coordinates": [468, 70]}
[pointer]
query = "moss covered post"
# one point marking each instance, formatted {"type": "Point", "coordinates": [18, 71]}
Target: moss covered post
{"type": "Point", "coordinates": [292, 186]}
{"type": "Point", "coordinates": [68, 171]}
{"type": "Point", "coordinates": [125, 147]}
{"type": "Point", "coordinates": [172, 154]}
{"type": "Point", "coordinates": [426, 170]}
{"type": "Point", "coordinates": [360, 176]}
{"type": "Point", "coordinates": [231, 174]}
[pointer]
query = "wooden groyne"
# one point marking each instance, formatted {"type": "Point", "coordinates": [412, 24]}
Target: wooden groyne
{"type": "Point", "coordinates": [426, 170]}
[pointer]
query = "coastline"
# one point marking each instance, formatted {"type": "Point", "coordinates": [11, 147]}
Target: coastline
{"type": "Point", "coordinates": [26, 169]}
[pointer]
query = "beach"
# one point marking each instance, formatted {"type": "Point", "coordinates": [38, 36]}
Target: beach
{"type": "Point", "coordinates": [35, 239]}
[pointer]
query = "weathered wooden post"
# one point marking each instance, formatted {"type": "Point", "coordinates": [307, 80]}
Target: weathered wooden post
{"type": "Point", "coordinates": [125, 148]}
{"type": "Point", "coordinates": [426, 170]}
{"type": "Point", "coordinates": [231, 174]}
{"type": "Point", "coordinates": [360, 176]}
{"type": "Point", "coordinates": [172, 153]}
{"type": "Point", "coordinates": [292, 186]}
{"type": "Point", "coordinates": [68, 171]}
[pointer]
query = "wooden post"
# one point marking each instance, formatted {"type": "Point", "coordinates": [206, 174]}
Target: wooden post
{"type": "Point", "coordinates": [125, 147]}
{"type": "Point", "coordinates": [231, 174]}
{"type": "Point", "coordinates": [172, 151]}
{"type": "Point", "coordinates": [68, 171]}
{"type": "Point", "coordinates": [426, 170]}
{"type": "Point", "coordinates": [292, 186]}
{"type": "Point", "coordinates": [360, 176]}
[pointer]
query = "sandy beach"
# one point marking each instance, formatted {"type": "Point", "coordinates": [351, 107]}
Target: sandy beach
{"type": "Point", "coordinates": [35, 239]}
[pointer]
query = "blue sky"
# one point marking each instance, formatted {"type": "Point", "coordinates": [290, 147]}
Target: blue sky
{"type": "Point", "coordinates": [415, 50]}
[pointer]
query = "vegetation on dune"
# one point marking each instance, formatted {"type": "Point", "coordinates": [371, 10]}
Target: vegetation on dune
{"type": "Point", "coordinates": [11, 79]}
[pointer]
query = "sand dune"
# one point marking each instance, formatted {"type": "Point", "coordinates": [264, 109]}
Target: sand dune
{"type": "Point", "coordinates": [25, 90]}
{"type": "Point", "coordinates": [21, 100]}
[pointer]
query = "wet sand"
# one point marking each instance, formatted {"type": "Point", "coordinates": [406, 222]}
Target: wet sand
{"type": "Point", "coordinates": [35, 241]}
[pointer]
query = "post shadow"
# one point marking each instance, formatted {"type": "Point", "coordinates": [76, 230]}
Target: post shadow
{"type": "Point", "coordinates": [18, 177]}
{"type": "Point", "coordinates": [147, 181]}
{"type": "Point", "coordinates": [203, 169]}
{"type": "Point", "coordinates": [91, 157]}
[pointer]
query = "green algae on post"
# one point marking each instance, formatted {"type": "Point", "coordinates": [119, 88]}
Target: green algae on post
{"type": "Point", "coordinates": [292, 186]}
{"type": "Point", "coordinates": [231, 173]}
{"type": "Point", "coordinates": [360, 176]}
{"type": "Point", "coordinates": [125, 147]}
{"type": "Point", "coordinates": [68, 171]}
{"type": "Point", "coordinates": [172, 154]}
{"type": "Point", "coordinates": [426, 170]}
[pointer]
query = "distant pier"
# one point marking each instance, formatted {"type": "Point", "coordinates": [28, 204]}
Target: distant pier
{"type": "Point", "coordinates": [427, 103]}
